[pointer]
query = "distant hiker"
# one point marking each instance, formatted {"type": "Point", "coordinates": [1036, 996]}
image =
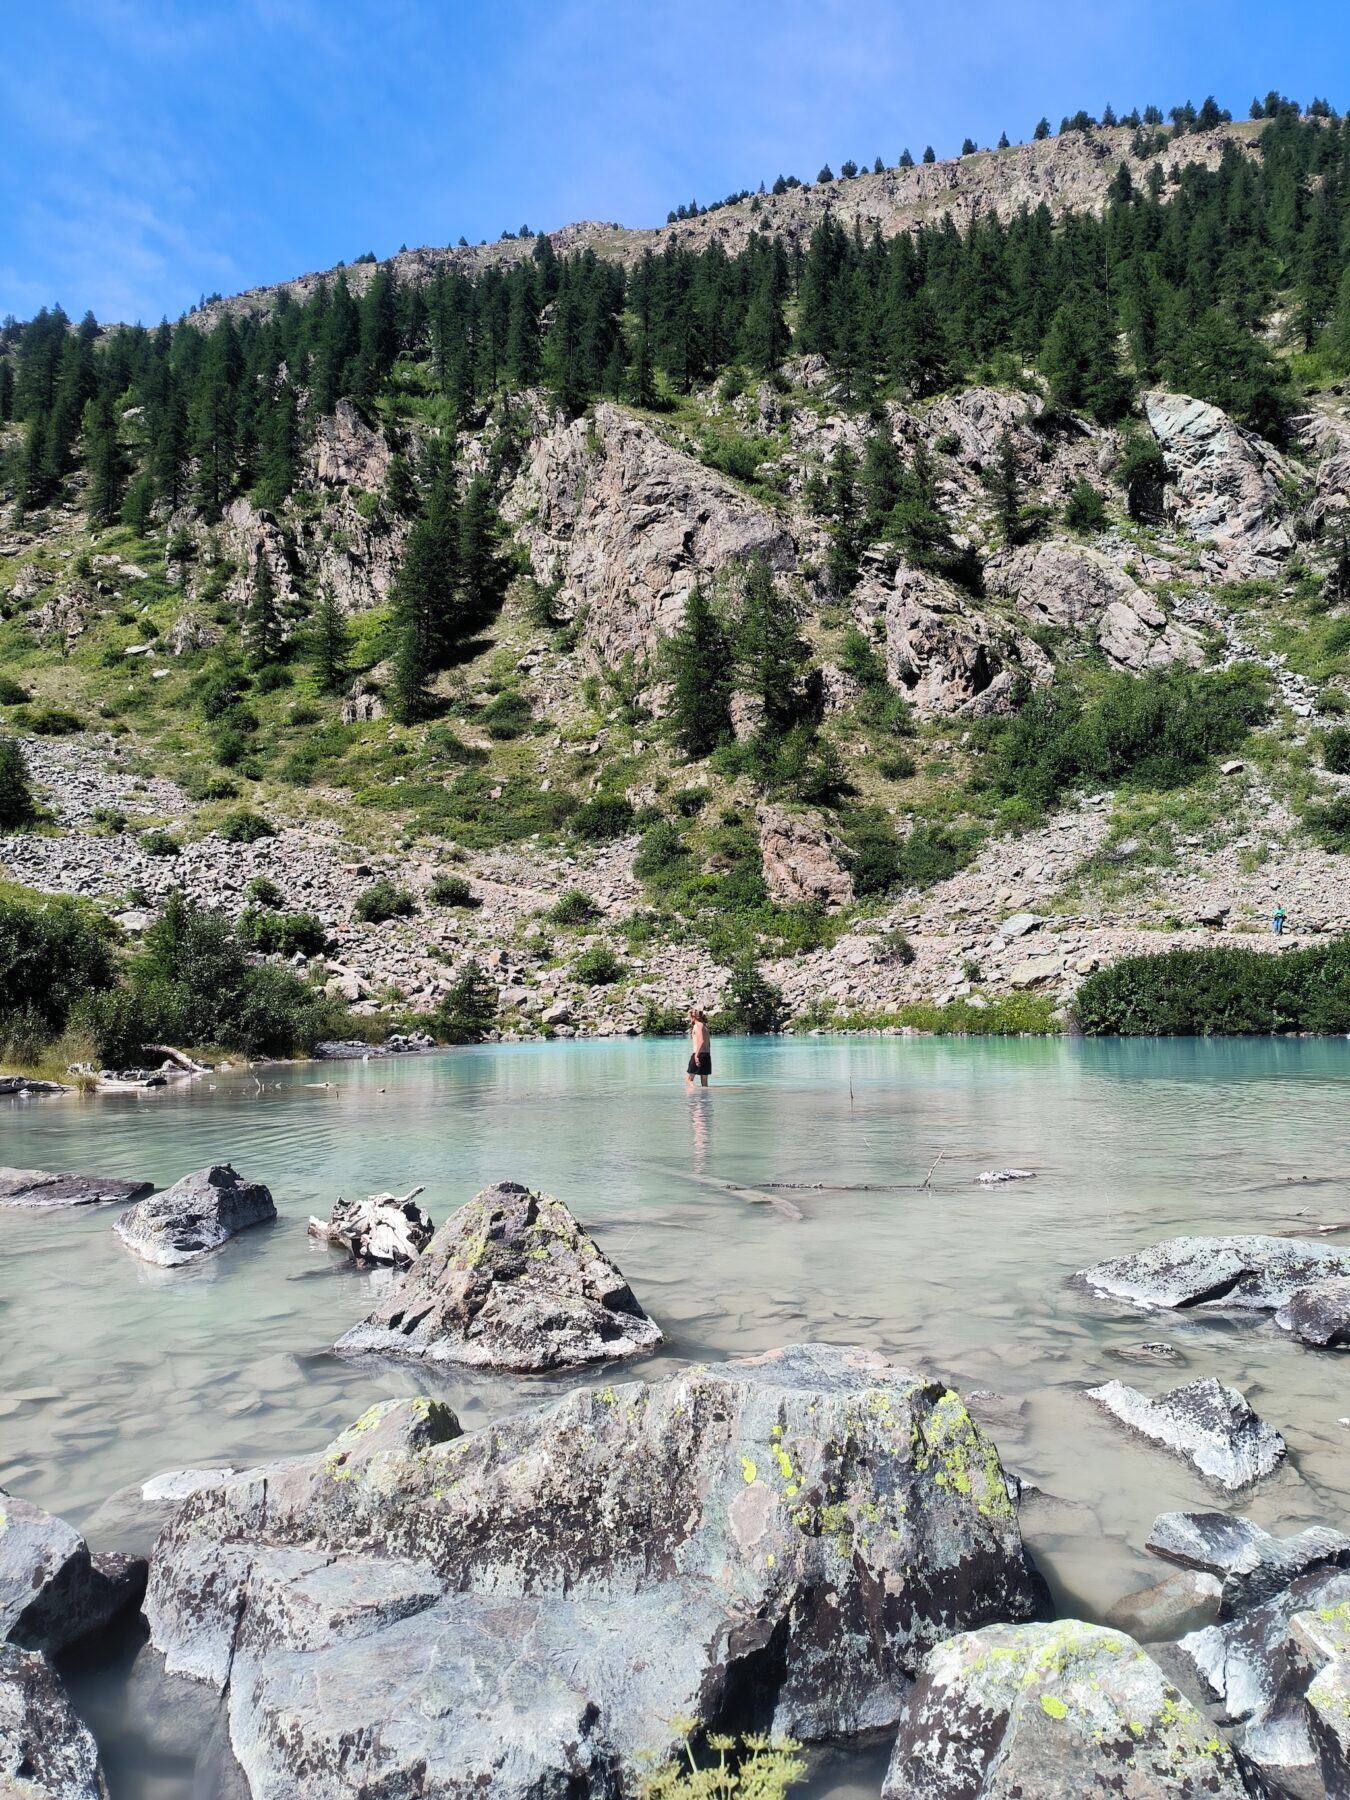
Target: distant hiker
{"type": "Point", "coordinates": [1277, 919]}
{"type": "Point", "coordinates": [700, 1048]}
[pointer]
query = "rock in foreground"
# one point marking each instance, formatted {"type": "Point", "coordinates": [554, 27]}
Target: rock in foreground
{"type": "Point", "coordinates": [1251, 1274]}
{"type": "Point", "coordinates": [52, 1592]}
{"type": "Point", "coordinates": [1055, 1711]}
{"type": "Point", "coordinates": [1248, 1561]}
{"type": "Point", "coordinates": [39, 1188]}
{"type": "Point", "coordinates": [1319, 1315]}
{"type": "Point", "coordinates": [195, 1216]}
{"type": "Point", "coordinates": [1207, 1423]}
{"type": "Point", "coordinates": [527, 1608]}
{"type": "Point", "coordinates": [510, 1281]}
{"type": "Point", "coordinates": [46, 1752]}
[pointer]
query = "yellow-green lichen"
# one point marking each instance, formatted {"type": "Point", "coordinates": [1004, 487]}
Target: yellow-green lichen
{"type": "Point", "coordinates": [1054, 1707]}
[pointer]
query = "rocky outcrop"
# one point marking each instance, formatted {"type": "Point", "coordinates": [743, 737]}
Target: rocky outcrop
{"type": "Point", "coordinates": [1248, 1562]}
{"type": "Point", "coordinates": [356, 558]}
{"type": "Point", "coordinates": [1327, 435]}
{"type": "Point", "coordinates": [627, 525]}
{"type": "Point", "coordinates": [510, 1281]}
{"type": "Point", "coordinates": [1055, 1711]}
{"type": "Point", "coordinates": [1079, 590]}
{"type": "Point", "coordinates": [1322, 1640]}
{"type": "Point", "coordinates": [39, 1188]}
{"type": "Point", "coordinates": [941, 650]}
{"type": "Point", "coordinates": [1208, 1424]}
{"type": "Point", "coordinates": [46, 1751]}
{"type": "Point", "coordinates": [1319, 1315]}
{"type": "Point", "coordinates": [382, 1228]}
{"type": "Point", "coordinates": [529, 1607]}
{"type": "Point", "coordinates": [348, 453]}
{"type": "Point", "coordinates": [799, 858]}
{"type": "Point", "coordinates": [194, 1217]}
{"type": "Point", "coordinates": [1247, 1274]}
{"type": "Point", "coordinates": [1223, 481]}
{"type": "Point", "coordinates": [52, 1591]}
{"type": "Point", "coordinates": [65, 614]}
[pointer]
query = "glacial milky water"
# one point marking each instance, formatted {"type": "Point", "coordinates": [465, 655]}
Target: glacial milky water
{"type": "Point", "coordinates": [114, 1371]}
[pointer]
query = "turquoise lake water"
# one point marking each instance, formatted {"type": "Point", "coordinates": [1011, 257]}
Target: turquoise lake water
{"type": "Point", "coordinates": [114, 1371]}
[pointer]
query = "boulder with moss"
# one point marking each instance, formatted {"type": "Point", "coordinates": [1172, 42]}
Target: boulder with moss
{"type": "Point", "coordinates": [46, 1750]}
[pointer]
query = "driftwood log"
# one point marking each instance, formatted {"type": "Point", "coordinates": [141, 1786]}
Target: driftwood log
{"type": "Point", "coordinates": [382, 1228]}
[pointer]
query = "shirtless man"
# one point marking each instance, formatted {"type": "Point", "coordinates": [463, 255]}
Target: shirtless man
{"type": "Point", "coordinates": [700, 1047]}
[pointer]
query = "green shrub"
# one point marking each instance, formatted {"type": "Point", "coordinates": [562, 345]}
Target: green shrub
{"type": "Point", "coordinates": [200, 784]}
{"type": "Point", "coordinates": [661, 854]}
{"type": "Point", "coordinates": [662, 1021]}
{"type": "Point", "coordinates": [1328, 823]}
{"type": "Point", "coordinates": [689, 801]}
{"type": "Point", "coordinates": [452, 890]}
{"type": "Point", "coordinates": [12, 693]}
{"type": "Point", "coordinates": [217, 692]}
{"type": "Point", "coordinates": [1224, 990]}
{"type": "Point", "coordinates": [932, 853]}
{"type": "Point", "coordinates": [572, 908]}
{"type": "Point", "coordinates": [508, 716]}
{"type": "Point", "coordinates": [54, 721]}
{"type": "Point", "coordinates": [896, 765]}
{"type": "Point", "coordinates": [598, 966]}
{"type": "Point", "coordinates": [108, 819]}
{"type": "Point", "coordinates": [605, 817]}
{"type": "Point", "coordinates": [244, 827]}
{"type": "Point", "coordinates": [469, 1009]}
{"type": "Point", "coordinates": [159, 843]}
{"type": "Point", "coordinates": [17, 805]}
{"type": "Point", "coordinates": [51, 952]}
{"type": "Point", "coordinates": [231, 744]}
{"type": "Point", "coordinates": [383, 900]}
{"type": "Point", "coordinates": [273, 679]}
{"type": "Point", "coordinates": [281, 933]}
{"type": "Point", "coordinates": [752, 1004]}
{"type": "Point", "coordinates": [264, 892]}
{"type": "Point", "coordinates": [1336, 750]}
{"type": "Point", "coordinates": [1085, 510]}
{"type": "Point", "coordinates": [756, 1768]}
{"type": "Point", "coordinates": [895, 947]}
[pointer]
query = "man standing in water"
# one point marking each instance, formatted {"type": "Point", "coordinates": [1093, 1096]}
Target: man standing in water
{"type": "Point", "coordinates": [700, 1048]}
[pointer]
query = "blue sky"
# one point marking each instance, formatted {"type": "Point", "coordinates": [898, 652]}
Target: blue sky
{"type": "Point", "coordinates": [153, 150]}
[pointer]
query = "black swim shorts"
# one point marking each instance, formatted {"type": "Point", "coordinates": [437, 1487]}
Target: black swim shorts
{"type": "Point", "coordinates": [700, 1065]}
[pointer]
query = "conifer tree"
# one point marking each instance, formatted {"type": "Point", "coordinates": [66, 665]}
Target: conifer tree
{"type": "Point", "coordinates": [17, 805]}
{"type": "Point", "coordinates": [107, 465]}
{"type": "Point", "coordinates": [929, 155]}
{"type": "Point", "coordinates": [1006, 486]}
{"type": "Point", "coordinates": [331, 641]}
{"type": "Point", "coordinates": [769, 649]}
{"type": "Point", "coordinates": [264, 627]}
{"type": "Point", "coordinates": [845, 520]}
{"type": "Point", "coordinates": [699, 657]}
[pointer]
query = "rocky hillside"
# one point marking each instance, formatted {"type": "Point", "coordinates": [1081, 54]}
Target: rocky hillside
{"type": "Point", "coordinates": [963, 819]}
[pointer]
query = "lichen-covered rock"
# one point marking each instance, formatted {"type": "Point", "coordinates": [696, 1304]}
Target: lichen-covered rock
{"type": "Point", "coordinates": [1224, 481]}
{"type": "Point", "coordinates": [348, 453]}
{"type": "Point", "coordinates": [1323, 1639]}
{"type": "Point", "coordinates": [1207, 1423]}
{"type": "Point", "coordinates": [528, 1607]}
{"type": "Point", "coordinates": [1250, 1274]}
{"type": "Point", "coordinates": [195, 1216]}
{"type": "Point", "coordinates": [1319, 1315]}
{"type": "Point", "coordinates": [949, 656]}
{"type": "Point", "coordinates": [1250, 1563]}
{"type": "Point", "coordinates": [52, 1592]}
{"type": "Point", "coordinates": [39, 1188]}
{"type": "Point", "coordinates": [1259, 1673]}
{"type": "Point", "coordinates": [800, 864]}
{"type": "Point", "coordinates": [628, 524]}
{"type": "Point", "coordinates": [1077, 590]}
{"type": "Point", "coordinates": [1057, 1712]}
{"type": "Point", "coordinates": [510, 1281]}
{"type": "Point", "coordinates": [46, 1751]}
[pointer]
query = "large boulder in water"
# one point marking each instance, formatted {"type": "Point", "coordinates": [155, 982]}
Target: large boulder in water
{"type": "Point", "coordinates": [52, 1591]}
{"type": "Point", "coordinates": [195, 1216]}
{"type": "Point", "coordinates": [510, 1281]}
{"type": "Point", "coordinates": [39, 1188]}
{"type": "Point", "coordinates": [1319, 1315]}
{"type": "Point", "coordinates": [46, 1752]}
{"type": "Point", "coordinates": [527, 1608]}
{"type": "Point", "coordinates": [1056, 1711]}
{"type": "Point", "coordinates": [1249, 1274]}
{"type": "Point", "coordinates": [1207, 1423]}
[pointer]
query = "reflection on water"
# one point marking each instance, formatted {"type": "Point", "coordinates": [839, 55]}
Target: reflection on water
{"type": "Point", "coordinates": [114, 1370]}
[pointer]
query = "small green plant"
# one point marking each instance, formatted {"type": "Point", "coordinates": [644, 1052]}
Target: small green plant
{"type": "Point", "coordinates": [108, 820]}
{"type": "Point", "coordinates": [12, 693]}
{"type": "Point", "coordinates": [383, 900]}
{"type": "Point", "coordinates": [1336, 750]}
{"type": "Point", "coordinates": [508, 716]}
{"type": "Point", "coordinates": [451, 890]}
{"type": "Point", "coordinates": [199, 784]}
{"type": "Point", "coordinates": [753, 1768]}
{"type": "Point", "coordinates": [1085, 510]}
{"type": "Point", "coordinates": [1328, 823]}
{"type": "Point", "coordinates": [896, 765]}
{"type": "Point", "coordinates": [281, 933]}
{"type": "Point", "coordinates": [573, 907]}
{"type": "Point", "coordinates": [895, 947]}
{"type": "Point", "coordinates": [54, 721]}
{"type": "Point", "coordinates": [662, 1021]}
{"type": "Point", "coordinates": [661, 855]}
{"type": "Point", "coordinates": [264, 892]}
{"type": "Point", "coordinates": [689, 801]}
{"type": "Point", "coordinates": [159, 843]}
{"type": "Point", "coordinates": [605, 817]}
{"type": "Point", "coordinates": [244, 827]}
{"type": "Point", "coordinates": [598, 967]}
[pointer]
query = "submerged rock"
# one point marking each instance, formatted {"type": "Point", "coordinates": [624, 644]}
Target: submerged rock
{"type": "Point", "coordinates": [1186, 1601]}
{"type": "Point", "coordinates": [1251, 1274]}
{"type": "Point", "coordinates": [1257, 1669]}
{"type": "Point", "coordinates": [52, 1591]}
{"type": "Point", "coordinates": [37, 1187]}
{"type": "Point", "coordinates": [510, 1281]}
{"type": "Point", "coordinates": [46, 1752]}
{"type": "Point", "coordinates": [382, 1228]}
{"type": "Point", "coordinates": [528, 1607]}
{"type": "Point", "coordinates": [1251, 1564]}
{"type": "Point", "coordinates": [1207, 1423]}
{"type": "Point", "coordinates": [195, 1216]}
{"type": "Point", "coordinates": [1319, 1315]}
{"type": "Point", "coordinates": [1055, 1711]}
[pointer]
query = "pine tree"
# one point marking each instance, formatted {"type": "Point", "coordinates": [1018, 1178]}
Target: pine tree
{"type": "Point", "coordinates": [699, 658]}
{"type": "Point", "coordinates": [17, 805]}
{"type": "Point", "coordinates": [331, 641]}
{"type": "Point", "coordinates": [929, 155]}
{"type": "Point", "coordinates": [136, 508]}
{"type": "Point", "coordinates": [1042, 131]}
{"type": "Point", "coordinates": [264, 626]}
{"type": "Point", "coordinates": [769, 650]}
{"type": "Point", "coordinates": [1006, 487]}
{"type": "Point", "coordinates": [482, 570]}
{"type": "Point", "coordinates": [107, 465]}
{"type": "Point", "coordinates": [169, 451]}
{"type": "Point", "coordinates": [906, 160]}
{"type": "Point", "coordinates": [882, 479]}
{"type": "Point", "coordinates": [845, 520]}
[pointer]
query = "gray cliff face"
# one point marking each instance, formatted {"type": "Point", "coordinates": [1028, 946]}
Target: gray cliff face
{"type": "Point", "coordinates": [1224, 482]}
{"type": "Point", "coordinates": [779, 1540]}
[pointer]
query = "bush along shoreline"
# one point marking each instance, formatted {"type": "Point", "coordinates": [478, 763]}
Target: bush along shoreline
{"type": "Point", "coordinates": [1220, 992]}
